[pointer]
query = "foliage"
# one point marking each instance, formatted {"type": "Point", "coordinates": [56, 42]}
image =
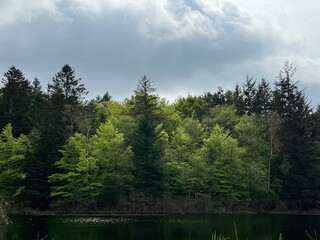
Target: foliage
{"type": "Point", "coordinates": [12, 154]}
{"type": "Point", "coordinates": [114, 162]}
{"type": "Point", "coordinates": [255, 146]}
{"type": "Point", "coordinates": [77, 182]}
{"type": "Point", "coordinates": [224, 158]}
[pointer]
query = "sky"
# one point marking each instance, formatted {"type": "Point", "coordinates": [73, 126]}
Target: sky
{"type": "Point", "coordinates": [185, 46]}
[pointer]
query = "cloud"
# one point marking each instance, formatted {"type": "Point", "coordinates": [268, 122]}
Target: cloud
{"type": "Point", "coordinates": [172, 19]}
{"type": "Point", "coordinates": [13, 11]}
{"type": "Point", "coordinates": [187, 46]}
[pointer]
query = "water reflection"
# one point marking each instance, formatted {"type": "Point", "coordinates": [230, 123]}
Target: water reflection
{"type": "Point", "coordinates": [255, 227]}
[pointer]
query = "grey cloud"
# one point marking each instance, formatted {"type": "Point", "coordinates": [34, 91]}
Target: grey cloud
{"type": "Point", "coordinates": [111, 49]}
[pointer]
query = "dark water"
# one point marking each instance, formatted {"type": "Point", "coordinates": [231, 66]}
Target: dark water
{"type": "Point", "coordinates": [255, 227]}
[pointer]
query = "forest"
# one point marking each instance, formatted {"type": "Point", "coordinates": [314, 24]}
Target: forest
{"type": "Point", "coordinates": [255, 147]}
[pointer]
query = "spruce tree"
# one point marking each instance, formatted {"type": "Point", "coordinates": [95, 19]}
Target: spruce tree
{"type": "Point", "coordinates": [15, 101]}
{"type": "Point", "coordinates": [263, 98]}
{"type": "Point", "coordinates": [249, 93]}
{"type": "Point", "coordinates": [296, 167]}
{"type": "Point", "coordinates": [145, 108]}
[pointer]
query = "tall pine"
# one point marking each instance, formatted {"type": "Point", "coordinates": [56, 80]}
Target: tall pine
{"type": "Point", "coordinates": [296, 167]}
{"type": "Point", "coordinates": [15, 101]}
{"type": "Point", "coordinates": [145, 109]}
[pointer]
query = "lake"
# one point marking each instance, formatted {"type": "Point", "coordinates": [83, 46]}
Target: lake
{"type": "Point", "coordinates": [173, 227]}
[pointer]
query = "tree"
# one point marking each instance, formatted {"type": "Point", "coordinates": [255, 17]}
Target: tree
{"type": "Point", "coordinates": [77, 182]}
{"type": "Point", "coordinates": [212, 100]}
{"type": "Point", "coordinates": [190, 106]}
{"type": "Point", "coordinates": [263, 98]}
{"type": "Point", "coordinates": [15, 101]}
{"type": "Point", "coordinates": [184, 169]}
{"type": "Point", "coordinates": [271, 123]}
{"type": "Point", "coordinates": [145, 109]}
{"type": "Point", "coordinates": [114, 160]}
{"type": "Point", "coordinates": [62, 107]}
{"type": "Point", "coordinates": [249, 93]}
{"type": "Point", "coordinates": [296, 166]}
{"type": "Point", "coordinates": [66, 93]}
{"type": "Point", "coordinates": [12, 154]}
{"type": "Point", "coordinates": [67, 85]}
{"type": "Point", "coordinates": [249, 134]}
{"type": "Point", "coordinates": [223, 156]}
{"type": "Point", "coordinates": [225, 116]}
{"type": "Point", "coordinates": [105, 98]}
{"type": "Point", "coordinates": [238, 100]}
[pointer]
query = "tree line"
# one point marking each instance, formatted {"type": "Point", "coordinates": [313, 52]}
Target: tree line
{"type": "Point", "coordinates": [253, 147]}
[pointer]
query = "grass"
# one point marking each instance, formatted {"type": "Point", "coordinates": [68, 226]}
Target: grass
{"type": "Point", "coordinates": [220, 237]}
{"type": "Point", "coordinates": [313, 237]}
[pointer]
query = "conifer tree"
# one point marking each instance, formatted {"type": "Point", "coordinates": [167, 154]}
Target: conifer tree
{"type": "Point", "coordinates": [15, 101]}
{"type": "Point", "coordinates": [145, 108]}
{"type": "Point", "coordinates": [296, 166]}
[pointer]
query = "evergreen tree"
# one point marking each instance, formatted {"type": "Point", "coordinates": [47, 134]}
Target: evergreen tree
{"type": "Point", "coordinates": [237, 99]}
{"type": "Point", "coordinates": [15, 101]}
{"type": "Point", "coordinates": [212, 100]}
{"type": "Point", "coordinates": [296, 166]}
{"type": "Point", "coordinates": [262, 99]}
{"type": "Point", "coordinates": [145, 108]}
{"type": "Point", "coordinates": [249, 94]}
{"type": "Point", "coordinates": [61, 109]}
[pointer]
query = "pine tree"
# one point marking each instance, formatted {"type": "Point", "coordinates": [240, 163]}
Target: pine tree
{"type": "Point", "coordinates": [61, 106]}
{"type": "Point", "coordinates": [249, 93]}
{"type": "Point", "coordinates": [145, 108]}
{"type": "Point", "coordinates": [262, 99]}
{"type": "Point", "coordinates": [15, 101]}
{"type": "Point", "coordinates": [296, 167]}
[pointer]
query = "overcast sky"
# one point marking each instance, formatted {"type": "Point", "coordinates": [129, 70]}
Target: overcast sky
{"type": "Point", "coordinates": [185, 46]}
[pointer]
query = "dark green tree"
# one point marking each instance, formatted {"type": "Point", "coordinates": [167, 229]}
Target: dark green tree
{"type": "Point", "coordinates": [145, 108]}
{"type": "Point", "coordinates": [62, 108]}
{"type": "Point", "coordinates": [213, 99]}
{"type": "Point", "coordinates": [249, 94]}
{"type": "Point", "coordinates": [15, 101]}
{"type": "Point", "coordinates": [236, 98]}
{"type": "Point", "coordinates": [296, 166]}
{"type": "Point", "coordinates": [263, 98]}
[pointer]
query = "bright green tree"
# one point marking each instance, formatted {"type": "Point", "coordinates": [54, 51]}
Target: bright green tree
{"type": "Point", "coordinates": [224, 159]}
{"type": "Point", "coordinates": [250, 136]}
{"type": "Point", "coordinates": [190, 106]}
{"type": "Point", "coordinates": [114, 160]}
{"type": "Point", "coordinates": [77, 182]}
{"type": "Point", "coordinates": [12, 154]}
{"type": "Point", "coordinates": [223, 115]}
{"type": "Point", "coordinates": [184, 168]}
